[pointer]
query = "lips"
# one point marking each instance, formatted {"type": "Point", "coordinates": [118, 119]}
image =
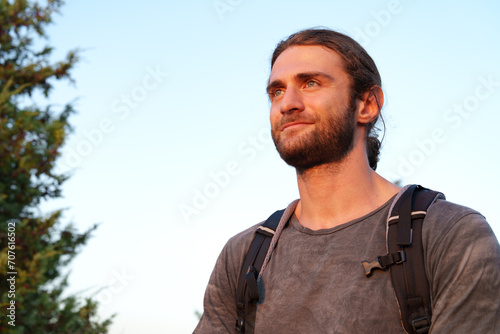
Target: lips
{"type": "Point", "coordinates": [291, 124]}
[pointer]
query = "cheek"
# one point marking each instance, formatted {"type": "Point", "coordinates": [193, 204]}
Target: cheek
{"type": "Point", "coordinates": [274, 114]}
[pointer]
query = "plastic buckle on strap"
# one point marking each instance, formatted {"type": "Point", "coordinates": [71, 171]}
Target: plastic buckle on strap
{"type": "Point", "coordinates": [252, 289]}
{"type": "Point", "coordinates": [421, 325]}
{"type": "Point", "coordinates": [369, 267]}
{"type": "Point", "coordinates": [401, 258]}
{"type": "Point", "coordinates": [240, 325]}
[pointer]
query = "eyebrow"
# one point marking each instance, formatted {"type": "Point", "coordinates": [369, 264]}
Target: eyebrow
{"type": "Point", "coordinates": [299, 77]}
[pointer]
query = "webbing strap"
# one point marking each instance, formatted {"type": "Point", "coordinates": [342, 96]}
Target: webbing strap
{"type": "Point", "coordinates": [405, 258]}
{"type": "Point", "coordinates": [247, 294]}
{"type": "Point", "coordinates": [405, 204]}
{"type": "Point", "coordinates": [409, 279]}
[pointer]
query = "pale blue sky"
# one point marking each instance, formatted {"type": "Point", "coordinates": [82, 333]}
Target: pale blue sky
{"type": "Point", "coordinates": [172, 93]}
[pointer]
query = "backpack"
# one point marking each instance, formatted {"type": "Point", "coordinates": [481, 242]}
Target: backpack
{"type": "Point", "coordinates": [404, 259]}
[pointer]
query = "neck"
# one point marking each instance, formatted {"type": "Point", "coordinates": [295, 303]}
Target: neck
{"type": "Point", "coordinates": [333, 194]}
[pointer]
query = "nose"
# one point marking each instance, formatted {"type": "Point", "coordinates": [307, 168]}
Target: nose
{"type": "Point", "coordinates": [291, 101]}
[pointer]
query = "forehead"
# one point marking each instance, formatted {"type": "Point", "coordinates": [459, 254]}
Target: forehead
{"type": "Point", "coordinates": [307, 58]}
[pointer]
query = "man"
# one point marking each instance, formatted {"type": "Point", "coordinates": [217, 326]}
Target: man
{"type": "Point", "coordinates": [326, 96]}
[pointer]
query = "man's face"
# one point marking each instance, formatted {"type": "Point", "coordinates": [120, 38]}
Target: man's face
{"type": "Point", "coordinates": [312, 113]}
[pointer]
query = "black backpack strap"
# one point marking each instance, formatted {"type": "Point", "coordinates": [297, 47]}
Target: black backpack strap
{"type": "Point", "coordinates": [248, 293]}
{"type": "Point", "coordinates": [406, 258]}
{"type": "Point", "coordinates": [409, 279]}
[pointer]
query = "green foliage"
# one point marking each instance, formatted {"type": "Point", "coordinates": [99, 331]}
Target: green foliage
{"type": "Point", "coordinates": [31, 137]}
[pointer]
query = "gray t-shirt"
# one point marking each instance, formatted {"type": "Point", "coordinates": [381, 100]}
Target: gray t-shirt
{"type": "Point", "coordinates": [315, 282]}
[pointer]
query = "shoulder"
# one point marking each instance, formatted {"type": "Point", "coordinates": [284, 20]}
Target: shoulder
{"type": "Point", "coordinates": [462, 261]}
{"type": "Point", "coordinates": [449, 211]}
{"type": "Point", "coordinates": [453, 223]}
{"type": "Point", "coordinates": [454, 234]}
{"type": "Point", "coordinates": [238, 244]}
{"type": "Point", "coordinates": [233, 254]}
{"type": "Point", "coordinates": [445, 218]}
{"type": "Point", "coordinates": [219, 313]}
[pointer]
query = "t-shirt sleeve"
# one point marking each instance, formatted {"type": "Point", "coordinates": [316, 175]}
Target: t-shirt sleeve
{"type": "Point", "coordinates": [219, 305]}
{"type": "Point", "coordinates": [463, 266]}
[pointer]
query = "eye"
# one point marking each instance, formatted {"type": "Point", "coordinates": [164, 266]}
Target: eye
{"type": "Point", "coordinates": [311, 83]}
{"type": "Point", "coordinates": [277, 93]}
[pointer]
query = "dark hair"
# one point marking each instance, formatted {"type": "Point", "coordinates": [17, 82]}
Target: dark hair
{"type": "Point", "coordinates": [358, 64]}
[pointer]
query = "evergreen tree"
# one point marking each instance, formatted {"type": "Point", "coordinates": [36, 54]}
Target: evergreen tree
{"type": "Point", "coordinates": [35, 249]}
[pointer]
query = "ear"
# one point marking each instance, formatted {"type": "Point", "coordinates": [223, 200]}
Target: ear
{"type": "Point", "coordinates": [371, 104]}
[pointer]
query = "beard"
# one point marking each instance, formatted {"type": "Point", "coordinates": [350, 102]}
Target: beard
{"type": "Point", "coordinates": [330, 141]}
